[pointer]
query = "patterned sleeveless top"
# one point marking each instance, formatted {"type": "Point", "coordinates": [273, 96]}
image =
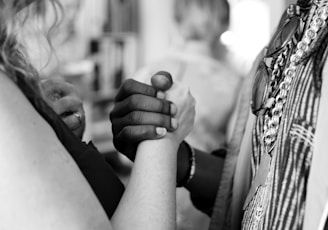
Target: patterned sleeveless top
{"type": "Point", "coordinates": [280, 202]}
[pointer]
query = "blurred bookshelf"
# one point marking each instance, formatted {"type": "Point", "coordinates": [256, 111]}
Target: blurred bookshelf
{"type": "Point", "coordinates": [115, 56]}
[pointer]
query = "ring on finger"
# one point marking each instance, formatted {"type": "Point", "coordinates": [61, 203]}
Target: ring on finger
{"type": "Point", "coordinates": [78, 116]}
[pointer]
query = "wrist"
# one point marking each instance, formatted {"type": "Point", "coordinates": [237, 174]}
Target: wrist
{"type": "Point", "coordinates": [166, 143]}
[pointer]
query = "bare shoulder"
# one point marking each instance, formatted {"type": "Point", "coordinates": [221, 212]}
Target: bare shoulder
{"type": "Point", "coordinates": [16, 110]}
{"type": "Point", "coordinates": [21, 126]}
{"type": "Point", "coordinates": [34, 167]}
{"type": "Point", "coordinates": [6, 86]}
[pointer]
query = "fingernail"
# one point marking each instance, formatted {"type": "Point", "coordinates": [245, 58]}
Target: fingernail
{"type": "Point", "coordinates": [160, 95]}
{"type": "Point", "coordinates": [162, 80]}
{"type": "Point", "coordinates": [174, 123]}
{"type": "Point", "coordinates": [161, 131]}
{"type": "Point", "coordinates": [173, 109]}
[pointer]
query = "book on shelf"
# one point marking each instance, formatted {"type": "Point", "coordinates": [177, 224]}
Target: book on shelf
{"type": "Point", "coordinates": [122, 16]}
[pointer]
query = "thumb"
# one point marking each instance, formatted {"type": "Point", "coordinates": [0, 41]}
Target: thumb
{"type": "Point", "coordinates": [162, 80]}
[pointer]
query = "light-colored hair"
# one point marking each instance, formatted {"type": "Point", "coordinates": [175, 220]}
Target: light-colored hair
{"type": "Point", "coordinates": [13, 57]}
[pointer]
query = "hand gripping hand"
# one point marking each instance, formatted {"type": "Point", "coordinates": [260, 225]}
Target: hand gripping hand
{"type": "Point", "coordinates": [141, 112]}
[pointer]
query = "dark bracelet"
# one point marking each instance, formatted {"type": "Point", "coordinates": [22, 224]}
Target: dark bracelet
{"type": "Point", "coordinates": [192, 167]}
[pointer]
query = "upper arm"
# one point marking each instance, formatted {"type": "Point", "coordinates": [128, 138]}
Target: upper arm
{"type": "Point", "coordinates": [41, 186]}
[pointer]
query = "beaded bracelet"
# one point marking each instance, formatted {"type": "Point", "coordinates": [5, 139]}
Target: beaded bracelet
{"type": "Point", "coordinates": [191, 169]}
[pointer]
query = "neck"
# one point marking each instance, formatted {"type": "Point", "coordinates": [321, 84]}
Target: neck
{"type": "Point", "coordinates": [197, 47]}
{"type": "Point", "coordinates": [203, 48]}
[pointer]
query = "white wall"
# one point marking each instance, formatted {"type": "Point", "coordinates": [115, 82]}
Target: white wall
{"type": "Point", "coordinates": [155, 26]}
{"type": "Point", "coordinates": [276, 9]}
{"type": "Point", "coordinates": [252, 24]}
{"type": "Point", "coordinates": [253, 28]}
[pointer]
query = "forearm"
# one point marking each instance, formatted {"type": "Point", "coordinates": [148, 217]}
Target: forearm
{"type": "Point", "coordinates": [205, 182]}
{"type": "Point", "coordinates": [149, 199]}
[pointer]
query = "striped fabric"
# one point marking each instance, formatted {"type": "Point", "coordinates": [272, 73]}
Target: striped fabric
{"type": "Point", "coordinates": [280, 202]}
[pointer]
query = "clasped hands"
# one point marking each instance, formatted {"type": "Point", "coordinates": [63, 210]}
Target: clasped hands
{"type": "Point", "coordinates": [141, 112]}
{"type": "Point", "coordinates": [146, 112]}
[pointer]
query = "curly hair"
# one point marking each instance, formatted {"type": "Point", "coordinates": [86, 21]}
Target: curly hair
{"type": "Point", "coordinates": [13, 57]}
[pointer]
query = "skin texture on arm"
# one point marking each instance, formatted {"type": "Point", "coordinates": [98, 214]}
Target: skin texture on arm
{"type": "Point", "coordinates": [44, 187]}
{"type": "Point", "coordinates": [153, 180]}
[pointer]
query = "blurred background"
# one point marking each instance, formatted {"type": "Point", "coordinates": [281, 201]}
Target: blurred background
{"type": "Point", "coordinates": [99, 43]}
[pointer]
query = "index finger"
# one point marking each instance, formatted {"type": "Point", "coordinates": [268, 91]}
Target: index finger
{"type": "Point", "coordinates": [130, 87]}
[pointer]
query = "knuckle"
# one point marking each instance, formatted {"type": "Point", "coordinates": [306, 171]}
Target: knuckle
{"type": "Point", "coordinates": [150, 104]}
{"type": "Point", "coordinates": [150, 90]}
{"type": "Point", "coordinates": [162, 107]}
{"type": "Point", "coordinates": [157, 105]}
{"type": "Point", "coordinates": [166, 122]}
{"type": "Point", "coordinates": [135, 117]}
{"type": "Point", "coordinates": [128, 119]}
{"type": "Point", "coordinates": [128, 85]}
{"type": "Point", "coordinates": [133, 101]}
{"type": "Point", "coordinates": [165, 106]}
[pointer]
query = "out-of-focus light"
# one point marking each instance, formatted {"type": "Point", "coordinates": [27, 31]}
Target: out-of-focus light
{"type": "Point", "coordinates": [228, 38]}
{"type": "Point", "coordinates": [250, 26]}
